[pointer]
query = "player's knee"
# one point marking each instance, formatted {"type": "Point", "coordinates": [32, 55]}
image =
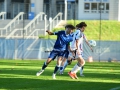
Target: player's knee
{"type": "Point", "coordinates": [83, 63]}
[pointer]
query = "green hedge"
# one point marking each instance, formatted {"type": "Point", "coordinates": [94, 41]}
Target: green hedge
{"type": "Point", "coordinates": [97, 30]}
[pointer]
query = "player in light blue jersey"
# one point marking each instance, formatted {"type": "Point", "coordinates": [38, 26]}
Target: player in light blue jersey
{"type": "Point", "coordinates": [72, 51]}
{"type": "Point", "coordinates": [76, 45]}
{"type": "Point", "coordinates": [63, 38]}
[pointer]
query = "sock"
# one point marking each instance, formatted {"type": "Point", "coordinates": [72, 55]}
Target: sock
{"type": "Point", "coordinates": [75, 68]}
{"type": "Point", "coordinates": [56, 69]}
{"type": "Point", "coordinates": [61, 68]}
{"type": "Point", "coordinates": [44, 66]}
{"type": "Point", "coordinates": [65, 65]}
{"type": "Point", "coordinates": [81, 70]}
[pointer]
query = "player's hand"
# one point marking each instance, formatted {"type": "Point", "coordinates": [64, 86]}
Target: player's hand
{"type": "Point", "coordinates": [73, 53]}
{"type": "Point", "coordinates": [78, 52]}
{"type": "Point", "coordinates": [47, 31]}
{"type": "Point", "coordinates": [91, 49]}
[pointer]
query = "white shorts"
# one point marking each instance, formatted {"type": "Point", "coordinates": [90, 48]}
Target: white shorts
{"type": "Point", "coordinates": [75, 55]}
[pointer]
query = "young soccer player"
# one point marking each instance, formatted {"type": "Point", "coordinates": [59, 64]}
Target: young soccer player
{"type": "Point", "coordinates": [63, 38]}
{"type": "Point", "coordinates": [72, 55]}
{"type": "Point", "coordinates": [76, 44]}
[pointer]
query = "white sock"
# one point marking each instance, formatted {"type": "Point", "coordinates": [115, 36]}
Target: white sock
{"type": "Point", "coordinates": [81, 71]}
{"type": "Point", "coordinates": [75, 69]}
{"type": "Point", "coordinates": [65, 64]}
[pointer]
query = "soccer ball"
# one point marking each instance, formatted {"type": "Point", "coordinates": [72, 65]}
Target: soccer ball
{"type": "Point", "coordinates": [92, 43]}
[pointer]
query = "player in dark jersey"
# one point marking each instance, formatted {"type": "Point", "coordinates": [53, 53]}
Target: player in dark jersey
{"type": "Point", "coordinates": [63, 38]}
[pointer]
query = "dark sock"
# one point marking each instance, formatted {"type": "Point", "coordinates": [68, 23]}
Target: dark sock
{"type": "Point", "coordinates": [61, 68]}
{"type": "Point", "coordinates": [44, 66]}
{"type": "Point", "coordinates": [56, 69]}
{"type": "Point", "coordinates": [82, 67]}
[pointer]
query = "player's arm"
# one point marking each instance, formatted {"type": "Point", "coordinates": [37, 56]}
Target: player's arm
{"type": "Point", "coordinates": [77, 46]}
{"type": "Point", "coordinates": [49, 32]}
{"type": "Point", "coordinates": [87, 43]}
{"type": "Point", "coordinates": [69, 47]}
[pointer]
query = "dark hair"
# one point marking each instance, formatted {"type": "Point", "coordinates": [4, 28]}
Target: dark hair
{"type": "Point", "coordinates": [70, 26]}
{"type": "Point", "coordinates": [80, 25]}
{"type": "Point", "coordinates": [77, 25]}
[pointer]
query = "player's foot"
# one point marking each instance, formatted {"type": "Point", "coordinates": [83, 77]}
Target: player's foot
{"type": "Point", "coordinates": [75, 76]}
{"type": "Point", "coordinates": [81, 75]}
{"type": "Point", "coordinates": [61, 72]}
{"type": "Point", "coordinates": [53, 76]}
{"type": "Point", "coordinates": [39, 73]}
{"type": "Point", "coordinates": [71, 75]}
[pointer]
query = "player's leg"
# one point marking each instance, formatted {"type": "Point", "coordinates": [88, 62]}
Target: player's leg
{"type": "Point", "coordinates": [69, 60]}
{"type": "Point", "coordinates": [81, 71]}
{"type": "Point", "coordinates": [45, 64]}
{"type": "Point", "coordinates": [60, 55]}
{"type": "Point", "coordinates": [57, 67]}
{"type": "Point", "coordinates": [64, 61]}
{"type": "Point", "coordinates": [77, 67]}
{"type": "Point", "coordinates": [82, 68]}
{"type": "Point", "coordinates": [62, 65]}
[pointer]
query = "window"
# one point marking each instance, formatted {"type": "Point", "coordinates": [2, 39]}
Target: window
{"type": "Point", "coordinates": [21, 1]}
{"type": "Point", "coordinates": [96, 7]}
{"type": "Point", "coordinates": [87, 6]}
{"type": "Point", "coordinates": [107, 6]}
{"type": "Point", "coordinates": [93, 6]}
{"type": "Point", "coordinates": [101, 6]}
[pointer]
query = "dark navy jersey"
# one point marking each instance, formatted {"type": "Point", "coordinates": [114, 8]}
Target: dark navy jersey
{"type": "Point", "coordinates": [62, 40]}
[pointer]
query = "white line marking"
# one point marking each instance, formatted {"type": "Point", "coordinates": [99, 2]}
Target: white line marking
{"type": "Point", "coordinates": [117, 88]}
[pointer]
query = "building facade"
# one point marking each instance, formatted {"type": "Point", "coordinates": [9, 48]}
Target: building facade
{"type": "Point", "coordinates": [76, 9]}
{"type": "Point", "coordinates": [93, 9]}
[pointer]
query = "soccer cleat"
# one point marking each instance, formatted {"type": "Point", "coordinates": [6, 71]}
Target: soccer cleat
{"type": "Point", "coordinates": [61, 72]}
{"type": "Point", "coordinates": [53, 76]}
{"type": "Point", "coordinates": [81, 75]}
{"type": "Point", "coordinates": [39, 73]}
{"type": "Point", "coordinates": [71, 75]}
{"type": "Point", "coordinates": [75, 76]}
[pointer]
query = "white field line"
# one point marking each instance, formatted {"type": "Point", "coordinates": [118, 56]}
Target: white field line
{"type": "Point", "coordinates": [116, 88]}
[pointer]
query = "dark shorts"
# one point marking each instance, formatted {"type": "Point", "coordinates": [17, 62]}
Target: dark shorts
{"type": "Point", "coordinates": [66, 53]}
{"type": "Point", "coordinates": [54, 54]}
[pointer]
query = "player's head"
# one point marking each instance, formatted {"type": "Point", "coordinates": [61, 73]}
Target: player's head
{"type": "Point", "coordinates": [82, 26]}
{"type": "Point", "coordinates": [69, 28]}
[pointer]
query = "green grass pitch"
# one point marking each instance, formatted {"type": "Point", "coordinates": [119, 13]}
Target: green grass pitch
{"type": "Point", "coordinates": [21, 75]}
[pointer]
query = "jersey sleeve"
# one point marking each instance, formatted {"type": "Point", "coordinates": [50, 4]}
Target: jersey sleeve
{"type": "Point", "coordinates": [56, 33]}
{"type": "Point", "coordinates": [78, 35]}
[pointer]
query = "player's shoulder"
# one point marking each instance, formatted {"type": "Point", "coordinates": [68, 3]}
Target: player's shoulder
{"type": "Point", "coordinates": [77, 32]}
{"type": "Point", "coordinates": [61, 31]}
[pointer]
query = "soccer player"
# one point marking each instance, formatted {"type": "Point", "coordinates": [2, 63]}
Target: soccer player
{"type": "Point", "coordinates": [72, 55]}
{"type": "Point", "coordinates": [76, 44]}
{"type": "Point", "coordinates": [63, 38]}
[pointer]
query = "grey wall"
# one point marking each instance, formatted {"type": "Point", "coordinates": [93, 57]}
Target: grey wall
{"type": "Point", "coordinates": [39, 49]}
